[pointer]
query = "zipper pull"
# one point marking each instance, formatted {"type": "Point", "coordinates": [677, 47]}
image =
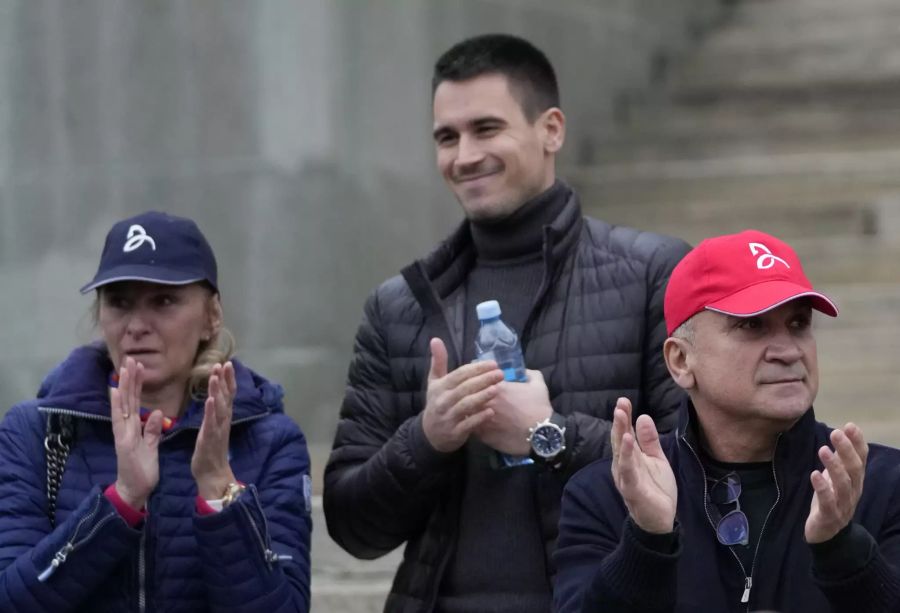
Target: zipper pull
{"type": "Point", "coordinates": [272, 557]}
{"type": "Point", "coordinates": [748, 583]}
{"type": "Point", "coordinates": [56, 562]}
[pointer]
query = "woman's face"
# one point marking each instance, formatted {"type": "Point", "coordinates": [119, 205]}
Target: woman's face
{"type": "Point", "coordinates": [160, 326]}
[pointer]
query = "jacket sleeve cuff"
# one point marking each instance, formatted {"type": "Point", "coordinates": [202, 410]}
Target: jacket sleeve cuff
{"type": "Point", "coordinates": [875, 586]}
{"type": "Point", "coordinates": [660, 543]}
{"type": "Point", "coordinates": [848, 552]}
{"type": "Point", "coordinates": [133, 517]}
{"type": "Point", "coordinates": [638, 574]}
{"type": "Point", "coordinates": [423, 453]}
{"type": "Point", "coordinates": [207, 507]}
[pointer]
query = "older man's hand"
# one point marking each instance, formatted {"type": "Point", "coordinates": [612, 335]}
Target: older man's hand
{"type": "Point", "coordinates": [642, 472]}
{"type": "Point", "coordinates": [838, 487]}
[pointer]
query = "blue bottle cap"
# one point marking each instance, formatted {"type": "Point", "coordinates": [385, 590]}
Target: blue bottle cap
{"type": "Point", "coordinates": [488, 309]}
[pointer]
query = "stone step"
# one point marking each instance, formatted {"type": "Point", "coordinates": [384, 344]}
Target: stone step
{"type": "Point", "coordinates": [862, 305]}
{"type": "Point", "coordinates": [695, 212]}
{"type": "Point", "coordinates": [695, 219]}
{"type": "Point", "coordinates": [788, 46]}
{"type": "Point", "coordinates": [739, 128]}
{"type": "Point", "coordinates": [870, 400]}
{"type": "Point", "coordinates": [797, 13]}
{"type": "Point", "coordinates": [742, 182]}
{"type": "Point", "coordinates": [346, 597]}
{"type": "Point", "coordinates": [838, 68]}
{"type": "Point", "coordinates": [343, 583]}
{"type": "Point", "coordinates": [861, 260]}
{"type": "Point", "coordinates": [858, 349]}
{"type": "Point", "coordinates": [771, 30]}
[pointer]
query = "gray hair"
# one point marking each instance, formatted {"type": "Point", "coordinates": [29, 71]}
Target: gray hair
{"type": "Point", "coordinates": [685, 331]}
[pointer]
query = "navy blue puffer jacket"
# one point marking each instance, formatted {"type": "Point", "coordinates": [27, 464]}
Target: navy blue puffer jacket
{"type": "Point", "coordinates": [251, 556]}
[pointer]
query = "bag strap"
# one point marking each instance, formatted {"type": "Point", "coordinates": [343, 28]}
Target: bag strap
{"type": "Point", "coordinates": [58, 443]}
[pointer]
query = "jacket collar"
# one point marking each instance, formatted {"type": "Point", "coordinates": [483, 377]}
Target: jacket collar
{"type": "Point", "coordinates": [80, 385]}
{"type": "Point", "coordinates": [795, 452]}
{"type": "Point", "coordinates": [440, 273]}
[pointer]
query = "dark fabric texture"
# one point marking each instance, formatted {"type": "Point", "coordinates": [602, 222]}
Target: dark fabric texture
{"type": "Point", "coordinates": [228, 561]}
{"type": "Point", "coordinates": [758, 496]}
{"type": "Point", "coordinates": [595, 331]}
{"type": "Point", "coordinates": [498, 563]}
{"type": "Point", "coordinates": [602, 568]}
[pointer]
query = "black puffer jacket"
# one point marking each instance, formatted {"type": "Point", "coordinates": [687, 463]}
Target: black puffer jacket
{"type": "Point", "coordinates": [595, 331]}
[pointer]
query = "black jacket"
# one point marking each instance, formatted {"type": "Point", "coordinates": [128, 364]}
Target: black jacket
{"type": "Point", "coordinates": [604, 564]}
{"type": "Point", "coordinates": [595, 331]}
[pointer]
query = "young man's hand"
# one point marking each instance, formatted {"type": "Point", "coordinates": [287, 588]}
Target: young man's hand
{"type": "Point", "coordinates": [456, 402]}
{"type": "Point", "coordinates": [518, 407]}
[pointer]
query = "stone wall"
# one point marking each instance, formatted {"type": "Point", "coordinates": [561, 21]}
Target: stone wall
{"type": "Point", "coordinates": [297, 133]}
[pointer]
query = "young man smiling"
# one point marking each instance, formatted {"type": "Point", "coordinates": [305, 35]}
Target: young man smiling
{"type": "Point", "coordinates": [414, 458]}
{"type": "Point", "coordinates": [751, 504]}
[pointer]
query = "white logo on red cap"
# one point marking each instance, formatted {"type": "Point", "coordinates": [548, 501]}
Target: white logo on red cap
{"type": "Point", "coordinates": [137, 236]}
{"type": "Point", "coordinates": [766, 260]}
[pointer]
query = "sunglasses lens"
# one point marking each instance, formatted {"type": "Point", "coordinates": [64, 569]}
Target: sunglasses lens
{"type": "Point", "coordinates": [733, 529]}
{"type": "Point", "coordinates": [733, 487]}
{"type": "Point", "coordinates": [726, 490]}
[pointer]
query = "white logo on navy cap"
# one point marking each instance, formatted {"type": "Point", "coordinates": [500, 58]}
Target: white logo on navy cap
{"type": "Point", "coordinates": [137, 236]}
{"type": "Point", "coordinates": [766, 260]}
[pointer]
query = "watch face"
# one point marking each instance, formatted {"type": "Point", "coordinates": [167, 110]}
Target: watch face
{"type": "Point", "coordinates": [547, 441]}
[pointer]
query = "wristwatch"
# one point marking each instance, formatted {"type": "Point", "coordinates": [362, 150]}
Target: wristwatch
{"type": "Point", "coordinates": [232, 491]}
{"type": "Point", "coordinates": [548, 440]}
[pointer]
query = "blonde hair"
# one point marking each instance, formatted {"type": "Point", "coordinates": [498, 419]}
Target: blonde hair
{"type": "Point", "coordinates": [217, 350]}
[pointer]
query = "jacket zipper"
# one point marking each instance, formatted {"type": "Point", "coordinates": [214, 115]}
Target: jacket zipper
{"type": "Point", "coordinates": [748, 579]}
{"type": "Point", "coordinates": [268, 555]}
{"type": "Point", "coordinates": [165, 437]}
{"type": "Point", "coordinates": [142, 553]}
{"type": "Point", "coordinates": [72, 413]}
{"type": "Point", "coordinates": [142, 570]}
{"type": "Point", "coordinates": [71, 546]}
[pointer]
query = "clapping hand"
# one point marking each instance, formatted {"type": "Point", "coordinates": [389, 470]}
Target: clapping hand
{"type": "Point", "coordinates": [137, 448]}
{"type": "Point", "coordinates": [456, 402]}
{"type": "Point", "coordinates": [838, 487]}
{"type": "Point", "coordinates": [209, 465]}
{"type": "Point", "coordinates": [517, 406]}
{"type": "Point", "coordinates": [641, 471]}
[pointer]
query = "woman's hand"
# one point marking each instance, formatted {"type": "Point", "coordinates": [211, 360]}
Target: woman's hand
{"type": "Point", "coordinates": [210, 466]}
{"type": "Point", "coordinates": [137, 456]}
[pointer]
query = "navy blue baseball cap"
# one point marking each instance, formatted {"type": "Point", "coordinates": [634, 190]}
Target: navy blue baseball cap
{"type": "Point", "coordinates": [158, 248]}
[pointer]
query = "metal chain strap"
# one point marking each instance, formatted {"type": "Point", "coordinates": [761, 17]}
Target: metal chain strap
{"type": "Point", "coordinates": [57, 445]}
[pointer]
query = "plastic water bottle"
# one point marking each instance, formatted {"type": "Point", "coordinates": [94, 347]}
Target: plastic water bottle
{"type": "Point", "coordinates": [497, 341]}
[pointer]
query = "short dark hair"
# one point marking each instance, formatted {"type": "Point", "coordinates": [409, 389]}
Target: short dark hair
{"type": "Point", "coordinates": [530, 74]}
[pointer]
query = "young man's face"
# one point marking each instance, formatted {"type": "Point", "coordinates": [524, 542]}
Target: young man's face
{"type": "Point", "coordinates": [488, 152]}
{"type": "Point", "coordinates": [755, 367]}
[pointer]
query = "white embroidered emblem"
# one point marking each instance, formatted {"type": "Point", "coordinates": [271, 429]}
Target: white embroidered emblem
{"type": "Point", "coordinates": [766, 259]}
{"type": "Point", "coordinates": [137, 236]}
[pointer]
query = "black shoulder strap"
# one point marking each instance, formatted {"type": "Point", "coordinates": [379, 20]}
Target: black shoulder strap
{"type": "Point", "coordinates": [58, 443]}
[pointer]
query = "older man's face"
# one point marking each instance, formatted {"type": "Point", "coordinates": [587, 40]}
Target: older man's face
{"type": "Point", "coordinates": [756, 367]}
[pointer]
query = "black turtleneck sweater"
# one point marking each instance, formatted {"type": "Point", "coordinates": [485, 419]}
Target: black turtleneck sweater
{"type": "Point", "coordinates": [498, 565]}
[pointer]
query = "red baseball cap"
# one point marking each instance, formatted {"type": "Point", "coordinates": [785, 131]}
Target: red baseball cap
{"type": "Point", "coordinates": [743, 275]}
